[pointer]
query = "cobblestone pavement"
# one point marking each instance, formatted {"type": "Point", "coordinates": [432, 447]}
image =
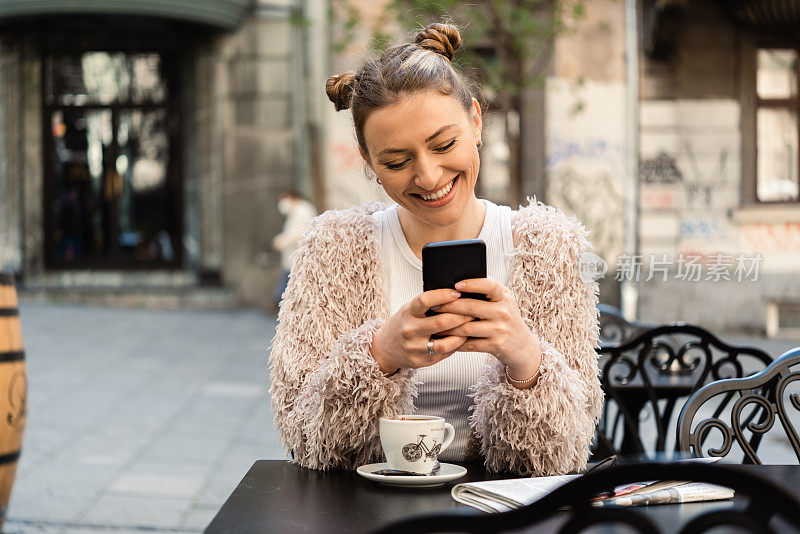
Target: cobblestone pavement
{"type": "Point", "coordinates": [138, 419]}
{"type": "Point", "coordinates": [145, 420]}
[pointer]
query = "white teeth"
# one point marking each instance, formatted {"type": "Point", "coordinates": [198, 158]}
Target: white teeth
{"type": "Point", "coordinates": [440, 193]}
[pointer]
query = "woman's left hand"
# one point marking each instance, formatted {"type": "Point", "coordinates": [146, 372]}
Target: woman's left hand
{"type": "Point", "coordinates": [498, 328]}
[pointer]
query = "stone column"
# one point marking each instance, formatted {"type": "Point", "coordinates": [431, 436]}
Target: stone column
{"type": "Point", "coordinates": [10, 165]}
{"type": "Point", "coordinates": [207, 123]}
{"type": "Point", "coordinates": [258, 140]}
{"type": "Point", "coordinates": [31, 169]}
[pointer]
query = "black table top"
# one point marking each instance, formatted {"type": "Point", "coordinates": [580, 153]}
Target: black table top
{"type": "Point", "coordinates": [276, 496]}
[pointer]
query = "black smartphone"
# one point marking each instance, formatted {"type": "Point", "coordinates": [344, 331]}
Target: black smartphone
{"type": "Point", "coordinates": [445, 263]}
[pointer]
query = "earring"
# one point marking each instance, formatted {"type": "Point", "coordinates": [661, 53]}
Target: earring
{"type": "Point", "coordinates": [369, 174]}
{"type": "Point", "coordinates": [479, 144]}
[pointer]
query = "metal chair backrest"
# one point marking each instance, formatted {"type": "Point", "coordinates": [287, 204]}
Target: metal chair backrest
{"type": "Point", "coordinates": [652, 373]}
{"type": "Point", "coordinates": [768, 503]}
{"type": "Point", "coordinates": [614, 328]}
{"type": "Point", "coordinates": [762, 396]}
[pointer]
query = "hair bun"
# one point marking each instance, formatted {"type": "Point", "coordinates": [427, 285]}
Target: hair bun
{"type": "Point", "coordinates": [443, 39]}
{"type": "Point", "coordinates": [340, 89]}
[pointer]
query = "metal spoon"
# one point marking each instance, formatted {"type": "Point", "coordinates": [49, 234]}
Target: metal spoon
{"type": "Point", "coordinates": [400, 472]}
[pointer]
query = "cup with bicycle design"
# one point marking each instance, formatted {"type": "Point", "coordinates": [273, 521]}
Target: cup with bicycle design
{"type": "Point", "coordinates": [413, 442]}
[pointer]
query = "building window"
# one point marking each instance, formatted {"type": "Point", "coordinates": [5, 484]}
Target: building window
{"type": "Point", "coordinates": [113, 184]}
{"type": "Point", "coordinates": [777, 125]}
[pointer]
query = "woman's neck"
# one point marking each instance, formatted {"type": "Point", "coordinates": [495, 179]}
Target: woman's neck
{"type": "Point", "coordinates": [418, 233]}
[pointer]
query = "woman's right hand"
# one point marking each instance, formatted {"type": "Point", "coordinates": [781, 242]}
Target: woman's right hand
{"type": "Point", "coordinates": [402, 341]}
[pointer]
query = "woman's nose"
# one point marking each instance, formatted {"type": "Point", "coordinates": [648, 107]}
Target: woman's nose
{"type": "Point", "coordinates": [429, 173]}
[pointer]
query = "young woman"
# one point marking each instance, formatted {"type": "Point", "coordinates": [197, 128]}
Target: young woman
{"type": "Point", "coordinates": [353, 343]}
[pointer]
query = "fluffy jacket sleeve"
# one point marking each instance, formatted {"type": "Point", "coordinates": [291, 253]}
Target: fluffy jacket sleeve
{"type": "Point", "coordinates": [548, 428]}
{"type": "Point", "coordinates": [327, 392]}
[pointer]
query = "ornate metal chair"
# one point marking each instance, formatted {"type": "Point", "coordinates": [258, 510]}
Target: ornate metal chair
{"type": "Point", "coordinates": [762, 396]}
{"type": "Point", "coordinates": [760, 505]}
{"type": "Point", "coordinates": [614, 328]}
{"type": "Point", "coordinates": [651, 373]}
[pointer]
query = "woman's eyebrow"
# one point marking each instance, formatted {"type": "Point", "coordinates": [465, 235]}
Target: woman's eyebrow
{"type": "Point", "coordinates": [435, 134]}
{"type": "Point", "coordinates": [439, 131]}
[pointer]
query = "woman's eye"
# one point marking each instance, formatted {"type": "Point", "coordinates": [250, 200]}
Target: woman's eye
{"type": "Point", "coordinates": [446, 147]}
{"type": "Point", "coordinates": [396, 166]}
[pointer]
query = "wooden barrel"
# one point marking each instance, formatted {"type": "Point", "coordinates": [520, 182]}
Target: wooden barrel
{"type": "Point", "coordinates": [13, 388]}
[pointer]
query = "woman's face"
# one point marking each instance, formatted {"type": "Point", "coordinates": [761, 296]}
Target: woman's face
{"type": "Point", "coordinates": [423, 151]}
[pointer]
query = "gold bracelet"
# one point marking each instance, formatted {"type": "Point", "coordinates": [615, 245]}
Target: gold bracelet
{"type": "Point", "coordinates": [514, 381]}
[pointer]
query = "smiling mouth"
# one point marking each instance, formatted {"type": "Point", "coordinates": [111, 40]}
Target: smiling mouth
{"type": "Point", "coordinates": [436, 195]}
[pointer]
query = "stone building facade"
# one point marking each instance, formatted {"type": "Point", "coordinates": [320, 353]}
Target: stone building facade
{"type": "Point", "coordinates": [719, 165]}
{"type": "Point", "coordinates": [245, 116]}
{"type": "Point", "coordinates": [585, 130]}
{"type": "Point", "coordinates": [143, 146]}
{"type": "Point", "coordinates": [718, 203]}
{"type": "Point", "coordinates": [697, 201]}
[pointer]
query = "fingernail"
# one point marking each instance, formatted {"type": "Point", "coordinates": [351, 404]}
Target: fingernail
{"type": "Point", "coordinates": [456, 294]}
{"type": "Point", "coordinates": [435, 308]}
{"type": "Point", "coordinates": [460, 285]}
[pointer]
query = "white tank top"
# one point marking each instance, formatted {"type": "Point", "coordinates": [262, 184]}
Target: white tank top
{"type": "Point", "coordinates": [445, 385]}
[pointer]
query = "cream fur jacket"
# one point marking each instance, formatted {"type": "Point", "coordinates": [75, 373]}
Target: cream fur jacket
{"type": "Point", "coordinates": [328, 393]}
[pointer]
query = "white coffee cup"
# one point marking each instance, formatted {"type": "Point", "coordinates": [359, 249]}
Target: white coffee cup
{"type": "Point", "coordinates": [412, 442]}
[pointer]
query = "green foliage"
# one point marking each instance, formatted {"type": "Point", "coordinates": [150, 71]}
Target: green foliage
{"type": "Point", "coordinates": [350, 19]}
{"type": "Point", "coordinates": [507, 42]}
{"type": "Point", "coordinates": [380, 40]}
{"type": "Point", "coordinates": [298, 19]}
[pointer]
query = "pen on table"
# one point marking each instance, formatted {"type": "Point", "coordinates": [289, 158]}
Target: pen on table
{"type": "Point", "coordinates": [602, 464]}
{"type": "Point", "coordinates": [605, 462]}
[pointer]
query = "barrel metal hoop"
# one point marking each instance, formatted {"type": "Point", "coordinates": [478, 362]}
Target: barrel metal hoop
{"type": "Point", "coordinates": [12, 356]}
{"type": "Point", "coordinates": [10, 457]}
{"type": "Point", "coordinates": [9, 312]}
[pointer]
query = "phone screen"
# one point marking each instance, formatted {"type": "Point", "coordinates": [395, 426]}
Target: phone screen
{"type": "Point", "coordinates": [445, 263]}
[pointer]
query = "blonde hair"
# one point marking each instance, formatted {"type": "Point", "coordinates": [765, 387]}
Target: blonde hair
{"type": "Point", "coordinates": [424, 65]}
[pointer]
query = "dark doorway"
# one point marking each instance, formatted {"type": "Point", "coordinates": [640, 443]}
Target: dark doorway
{"type": "Point", "coordinates": [112, 149]}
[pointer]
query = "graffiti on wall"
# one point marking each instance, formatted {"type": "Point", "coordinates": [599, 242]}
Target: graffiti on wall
{"type": "Point", "coordinates": [666, 186]}
{"type": "Point", "coordinates": [562, 150]}
{"type": "Point", "coordinates": [784, 238]}
{"type": "Point", "coordinates": [699, 185]}
{"type": "Point", "coordinates": [661, 181]}
{"type": "Point", "coordinates": [345, 157]}
{"type": "Point", "coordinates": [349, 182]}
{"type": "Point", "coordinates": [662, 169]}
{"type": "Point", "coordinates": [701, 227]}
{"type": "Point", "coordinates": [595, 201]}
{"type": "Point", "coordinates": [659, 197]}
{"type": "Point", "coordinates": [582, 182]}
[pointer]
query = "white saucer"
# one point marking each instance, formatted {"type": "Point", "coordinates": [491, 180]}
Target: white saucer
{"type": "Point", "coordinates": [447, 473]}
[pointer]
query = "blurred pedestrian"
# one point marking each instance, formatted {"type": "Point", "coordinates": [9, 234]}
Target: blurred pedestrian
{"type": "Point", "coordinates": [298, 212]}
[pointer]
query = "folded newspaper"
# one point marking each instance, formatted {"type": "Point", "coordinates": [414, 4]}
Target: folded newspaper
{"type": "Point", "coordinates": [669, 494]}
{"type": "Point", "coordinates": [508, 494]}
{"type": "Point", "coordinates": [504, 495]}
